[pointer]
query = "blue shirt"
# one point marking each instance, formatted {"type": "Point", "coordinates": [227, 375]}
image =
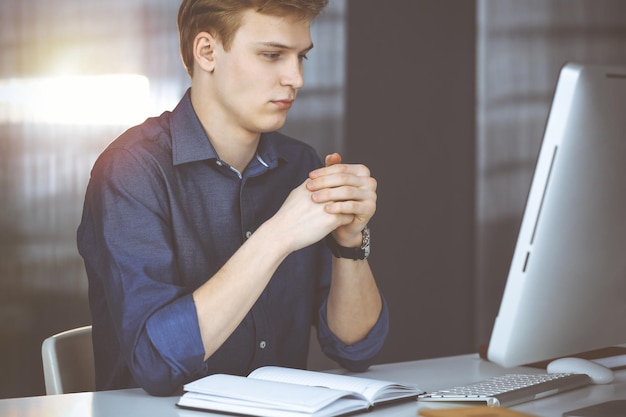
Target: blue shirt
{"type": "Point", "coordinates": [162, 214]}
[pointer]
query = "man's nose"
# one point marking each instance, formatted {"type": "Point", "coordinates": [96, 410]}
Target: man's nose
{"type": "Point", "coordinates": [293, 74]}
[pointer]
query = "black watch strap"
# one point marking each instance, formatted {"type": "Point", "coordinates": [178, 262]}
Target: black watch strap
{"type": "Point", "coordinates": [358, 253]}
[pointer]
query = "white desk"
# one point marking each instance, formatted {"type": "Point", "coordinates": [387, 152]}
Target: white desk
{"type": "Point", "coordinates": [429, 375]}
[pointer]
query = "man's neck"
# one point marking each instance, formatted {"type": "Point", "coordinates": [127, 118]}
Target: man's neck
{"type": "Point", "coordinates": [234, 153]}
{"type": "Point", "coordinates": [234, 145]}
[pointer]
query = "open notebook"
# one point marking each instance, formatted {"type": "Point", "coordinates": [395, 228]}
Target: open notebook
{"type": "Point", "coordinates": [275, 391]}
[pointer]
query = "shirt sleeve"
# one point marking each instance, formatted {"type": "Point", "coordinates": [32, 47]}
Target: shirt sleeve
{"type": "Point", "coordinates": [125, 240]}
{"type": "Point", "coordinates": [359, 356]}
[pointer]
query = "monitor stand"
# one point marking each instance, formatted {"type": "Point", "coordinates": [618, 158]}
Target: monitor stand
{"type": "Point", "coordinates": [613, 357]}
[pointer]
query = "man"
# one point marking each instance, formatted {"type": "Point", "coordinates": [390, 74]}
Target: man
{"type": "Point", "coordinates": [203, 230]}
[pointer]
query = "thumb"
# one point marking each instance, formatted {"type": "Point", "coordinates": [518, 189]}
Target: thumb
{"type": "Point", "coordinates": [333, 159]}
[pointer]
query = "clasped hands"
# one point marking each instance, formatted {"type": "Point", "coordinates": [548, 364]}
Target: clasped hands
{"type": "Point", "coordinates": [338, 198]}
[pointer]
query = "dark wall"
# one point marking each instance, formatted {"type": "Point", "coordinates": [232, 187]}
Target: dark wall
{"type": "Point", "coordinates": [411, 119]}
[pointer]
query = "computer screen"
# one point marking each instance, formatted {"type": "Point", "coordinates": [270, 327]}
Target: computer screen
{"type": "Point", "coordinates": [566, 288]}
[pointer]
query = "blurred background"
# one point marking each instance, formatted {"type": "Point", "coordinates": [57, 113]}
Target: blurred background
{"type": "Point", "coordinates": [444, 100]}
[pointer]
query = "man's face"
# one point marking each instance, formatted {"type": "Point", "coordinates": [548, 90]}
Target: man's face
{"type": "Point", "coordinates": [257, 80]}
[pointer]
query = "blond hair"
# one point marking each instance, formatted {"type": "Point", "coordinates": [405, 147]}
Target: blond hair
{"type": "Point", "coordinates": [222, 19]}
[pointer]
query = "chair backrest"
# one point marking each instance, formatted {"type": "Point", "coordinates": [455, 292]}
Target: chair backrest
{"type": "Point", "coordinates": [68, 362]}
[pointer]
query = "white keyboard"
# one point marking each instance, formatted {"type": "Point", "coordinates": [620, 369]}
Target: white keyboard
{"type": "Point", "coordinates": [510, 389]}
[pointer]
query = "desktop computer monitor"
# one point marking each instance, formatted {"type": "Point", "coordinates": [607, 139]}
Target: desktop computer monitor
{"type": "Point", "coordinates": [566, 289]}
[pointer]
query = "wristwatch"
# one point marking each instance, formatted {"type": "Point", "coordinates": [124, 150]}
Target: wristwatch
{"type": "Point", "coordinates": [358, 253]}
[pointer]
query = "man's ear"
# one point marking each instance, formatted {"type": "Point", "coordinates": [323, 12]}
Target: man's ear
{"type": "Point", "coordinates": [204, 51]}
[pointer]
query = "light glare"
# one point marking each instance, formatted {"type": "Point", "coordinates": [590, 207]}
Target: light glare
{"type": "Point", "coordinates": [120, 99]}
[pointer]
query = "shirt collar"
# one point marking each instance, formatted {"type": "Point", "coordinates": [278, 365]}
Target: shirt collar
{"type": "Point", "coordinates": [190, 142]}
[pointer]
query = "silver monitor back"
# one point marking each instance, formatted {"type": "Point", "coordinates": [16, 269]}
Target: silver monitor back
{"type": "Point", "coordinates": [566, 288]}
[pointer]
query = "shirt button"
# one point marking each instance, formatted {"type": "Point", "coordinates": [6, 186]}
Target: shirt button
{"type": "Point", "coordinates": [262, 344]}
{"type": "Point", "coordinates": [248, 234]}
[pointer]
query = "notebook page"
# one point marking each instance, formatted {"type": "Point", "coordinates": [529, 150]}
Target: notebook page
{"type": "Point", "coordinates": [368, 387]}
{"type": "Point", "coordinates": [236, 390]}
{"type": "Point", "coordinates": [200, 401]}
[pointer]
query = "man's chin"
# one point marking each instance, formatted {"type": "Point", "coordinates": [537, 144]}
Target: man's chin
{"type": "Point", "coordinates": [271, 127]}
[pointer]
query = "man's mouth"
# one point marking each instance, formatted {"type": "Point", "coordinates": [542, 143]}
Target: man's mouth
{"type": "Point", "coordinates": [283, 104]}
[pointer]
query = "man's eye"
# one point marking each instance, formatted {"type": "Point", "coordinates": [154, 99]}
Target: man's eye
{"type": "Point", "coordinates": [271, 55]}
{"type": "Point", "coordinates": [303, 57]}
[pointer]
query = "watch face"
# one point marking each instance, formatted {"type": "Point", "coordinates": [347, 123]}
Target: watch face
{"type": "Point", "coordinates": [365, 244]}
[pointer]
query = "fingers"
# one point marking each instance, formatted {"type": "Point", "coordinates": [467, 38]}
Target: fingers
{"type": "Point", "coordinates": [342, 176]}
{"type": "Point", "coordinates": [333, 159]}
{"type": "Point", "coordinates": [361, 190]}
{"type": "Point", "coordinates": [336, 174]}
{"type": "Point", "coordinates": [338, 169]}
{"type": "Point", "coordinates": [340, 182]}
{"type": "Point", "coordinates": [301, 221]}
{"type": "Point", "coordinates": [362, 210]}
{"type": "Point", "coordinates": [344, 188]}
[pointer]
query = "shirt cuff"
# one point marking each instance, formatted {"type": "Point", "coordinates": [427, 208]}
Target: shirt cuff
{"type": "Point", "coordinates": [175, 333]}
{"type": "Point", "coordinates": [358, 356]}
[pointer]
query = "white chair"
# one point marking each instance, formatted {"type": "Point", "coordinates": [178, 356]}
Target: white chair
{"type": "Point", "coordinates": [68, 362]}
